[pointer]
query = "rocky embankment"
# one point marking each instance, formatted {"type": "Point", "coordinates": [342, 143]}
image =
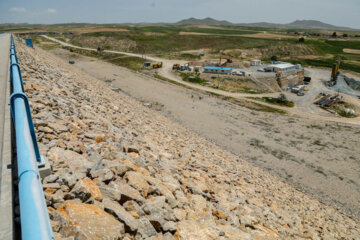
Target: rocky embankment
{"type": "Point", "coordinates": [123, 171]}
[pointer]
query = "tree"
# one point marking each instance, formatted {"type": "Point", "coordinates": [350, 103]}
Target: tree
{"type": "Point", "coordinates": [282, 98]}
{"type": "Point", "coordinates": [274, 58]}
{"type": "Point", "coordinates": [345, 35]}
{"type": "Point", "coordinates": [302, 39]}
{"type": "Point", "coordinates": [334, 34]}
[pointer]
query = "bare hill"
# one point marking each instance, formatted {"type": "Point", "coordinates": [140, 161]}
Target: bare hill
{"type": "Point", "coordinates": [205, 21]}
{"type": "Point", "coordinates": [298, 24]}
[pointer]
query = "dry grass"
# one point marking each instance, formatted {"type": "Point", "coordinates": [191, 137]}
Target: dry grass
{"type": "Point", "coordinates": [268, 36]}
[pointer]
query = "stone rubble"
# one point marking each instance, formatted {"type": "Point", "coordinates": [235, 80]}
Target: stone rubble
{"type": "Point", "coordinates": [120, 172]}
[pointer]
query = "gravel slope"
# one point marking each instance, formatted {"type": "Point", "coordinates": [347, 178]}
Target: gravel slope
{"type": "Point", "coordinates": [123, 170]}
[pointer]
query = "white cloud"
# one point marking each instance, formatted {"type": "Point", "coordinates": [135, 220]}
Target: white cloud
{"type": "Point", "coordinates": [51, 10]}
{"type": "Point", "coordinates": [17, 10]}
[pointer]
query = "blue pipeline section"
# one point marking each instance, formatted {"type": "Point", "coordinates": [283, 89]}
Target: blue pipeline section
{"type": "Point", "coordinates": [34, 216]}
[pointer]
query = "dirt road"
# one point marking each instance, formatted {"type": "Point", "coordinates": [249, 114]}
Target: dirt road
{"type": "Point", "coordinates": [318, 157]}
{"type": "Point", "coordinates": [4, 70]}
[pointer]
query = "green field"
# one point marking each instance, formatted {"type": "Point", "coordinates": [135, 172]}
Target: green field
{"type": "Point", "coordinates": [133, 63]}
{"type": "Point", "coordinates": [166, 41]}
{"type": "Point", "coordinates": [174, 42]}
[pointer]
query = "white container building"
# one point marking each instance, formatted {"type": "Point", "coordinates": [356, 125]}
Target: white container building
{"type": "Point", "coordinates": [255, 62]}
{"type": "Point", "coordinates": [285, 67]}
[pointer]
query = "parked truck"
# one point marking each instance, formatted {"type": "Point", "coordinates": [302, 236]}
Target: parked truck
{"type": "Point", "coordinates": [158, 65]}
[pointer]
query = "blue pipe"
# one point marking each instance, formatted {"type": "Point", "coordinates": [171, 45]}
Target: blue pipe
{"type": "Point", "coordinates": [34, 216]}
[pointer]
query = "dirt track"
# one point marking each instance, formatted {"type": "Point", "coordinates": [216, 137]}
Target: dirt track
{"type": "Point", "coordinates": [319, 157]}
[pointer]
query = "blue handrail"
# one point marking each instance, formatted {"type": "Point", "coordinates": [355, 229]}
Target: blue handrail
{"type": "Point", "coordinates": [34, 216]}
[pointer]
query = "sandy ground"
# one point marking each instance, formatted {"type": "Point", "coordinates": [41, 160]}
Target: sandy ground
{"type": "Point", "coordinates": [269, 36]}
{"type": "Point", "coordinates": [354, 51]}
{"type": "Point", "coordinates": [318, 157]}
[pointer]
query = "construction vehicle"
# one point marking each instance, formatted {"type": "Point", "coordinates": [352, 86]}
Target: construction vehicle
{"type": "Point", "coordinates": [176, 66]}
{"type": "Point", "coordinates": [296, 89]}
{"type": "Point", "coordinates": [307, 80]}
{"type": "Point", "coordinates": [238, 73]}
{"type": "Point", "coordinates": [187, 66]}
{"type": "Point", "coordinates": [157, 65]}
{"type": "Point", "coordinates": [197, 69]}
{"type": "Point", "coordinates": [228, 60]}
{"type": "Point", "coordinates": [334, 73]}
{"type": "Point", "coordinates": [147, 64]}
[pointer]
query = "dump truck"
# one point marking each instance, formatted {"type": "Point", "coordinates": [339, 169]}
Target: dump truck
{"type": "Point", "coordinates": [176, 66]}
{"type": "Point", "coordinates": [158, 65]}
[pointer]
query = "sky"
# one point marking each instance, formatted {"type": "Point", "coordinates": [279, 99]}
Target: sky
{"type": "Point", "coordinates": [337, 12]}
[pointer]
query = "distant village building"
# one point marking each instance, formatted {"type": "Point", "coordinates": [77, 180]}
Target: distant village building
{"type": "Point", "coordinates": [255, 62]}
{"type": "Point", "coordinates": [217, 70]}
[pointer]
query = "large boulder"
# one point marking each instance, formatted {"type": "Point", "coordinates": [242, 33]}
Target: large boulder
{"type": "Point", "coordinates": [85, 221]}
{"type": "Point", "coordinates": [194, 230]}
{"type": "Point", "coordinates": [121, 192]}
{"type": "Point", "coordinates": [145, 229]}
{"type": "Point", "coordinates": [104, 175]}
{"type": "Point", "coordinates": [121, 214]}
{"type": "Point", "coordinates": [85, 189]}
{"type": "Point", "coordinates": [76, 162]}
{"type": "Point", "coordinates": [137, 181]}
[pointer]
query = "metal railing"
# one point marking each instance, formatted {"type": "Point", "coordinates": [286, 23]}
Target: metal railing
{"type": "Point", "coordinates": [34, 217]}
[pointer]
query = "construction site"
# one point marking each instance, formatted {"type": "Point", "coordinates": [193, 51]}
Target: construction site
{"type": "Point", "coordinates": [180, 131]}
{"type": "Point", "coordinates": [257, 77]}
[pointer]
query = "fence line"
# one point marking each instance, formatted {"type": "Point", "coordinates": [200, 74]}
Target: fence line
{"type": "Point", "coordinates": [34, 216]}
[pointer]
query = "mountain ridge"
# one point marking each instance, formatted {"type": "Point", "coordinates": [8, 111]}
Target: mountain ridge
{"type": "Point", "coordinates": [297, 24]}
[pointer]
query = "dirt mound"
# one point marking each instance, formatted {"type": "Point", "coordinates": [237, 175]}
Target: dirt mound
{"type": "Point", "coordinates": [347, 85]}
{"type": "Point", "coordinates": [354, 84]}
{"type": "Point", "coordinates": [283, 50]}
{"type": "Point", "coordinates": [104, 42]}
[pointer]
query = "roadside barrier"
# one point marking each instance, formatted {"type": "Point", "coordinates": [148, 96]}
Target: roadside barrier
{"type": "Point", "coordinates": [34, 216]}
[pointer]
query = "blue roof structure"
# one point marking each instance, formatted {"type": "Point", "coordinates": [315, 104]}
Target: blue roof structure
{"type": "Point", "coordinates": [218, 68]}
